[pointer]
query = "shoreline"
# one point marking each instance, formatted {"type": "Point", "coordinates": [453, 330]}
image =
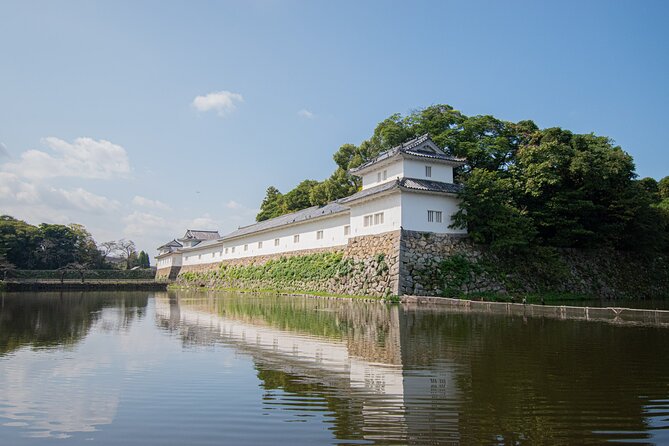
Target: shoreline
{"type": "Point", "coordinates": [619, 315]}
{"type": "Point", "coordinates": [111, 285]}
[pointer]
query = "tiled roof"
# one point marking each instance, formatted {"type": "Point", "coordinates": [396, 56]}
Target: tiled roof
{"type": "Point", "coordinates": [200, 235]}
{"type": "Point", "coordinates": [172, 244]}
{"type": "Point", "coordinates": [370, 191]}
{"type": "Point", "coordinates": [407, 184]}
{"type": "Point", "coordinates": [430, 186]}
{"type": "Point", "coordinates": [409, 148]}
{"type": "Point", "coordinates": [295, 217]}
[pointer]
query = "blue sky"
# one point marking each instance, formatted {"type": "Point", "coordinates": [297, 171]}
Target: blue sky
{"type": "Point", "coordinates": [99, 122]}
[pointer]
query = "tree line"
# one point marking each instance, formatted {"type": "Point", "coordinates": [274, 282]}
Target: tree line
{"type": "Point", "coordinates": [524, 186]}
{"type": "Point", "coordinates": [54, 246]}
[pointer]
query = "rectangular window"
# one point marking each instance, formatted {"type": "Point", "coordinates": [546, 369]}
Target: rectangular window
{"type": "Point", "coordinates": [259, 245]}
{"type": "Point", "coordinates": [434, 216]}
{"type": "Point", "coordinates": [428, 171]}
{"type": "Point", "coordinates": [246, 247]}
{"type": "Point", "coordinates": [296, 238]}
{"type": "Point", "coordinates": [319, 235]}
{"type": "Point", "coordinates": [385, 174]}
{"type": "Point", "coordinates": [368, 220]}
{"type": "Point", "coordinates": [233, 249]}
{"type": "Point", "coordinates": [378, 218]}
{"type": "Point", "coordinates": [378, 177]}
{"type": "Point", "coordinates": [347, 230]}
{"type": "Point", "coordinates": [276, 242]}
{"type": "Point", "coordinates": [199, 256]}
{"type": "Point", "coordinates": [226, 250]}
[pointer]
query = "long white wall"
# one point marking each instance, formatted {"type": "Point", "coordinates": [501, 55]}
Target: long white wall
{"type": "Point", "coordinates": [415, 208]}
{"type": "Point", "coordinates": [264, 243]}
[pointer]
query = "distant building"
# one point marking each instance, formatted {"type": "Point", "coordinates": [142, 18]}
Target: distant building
{"type": "Point", "coordinates": [408, 187]}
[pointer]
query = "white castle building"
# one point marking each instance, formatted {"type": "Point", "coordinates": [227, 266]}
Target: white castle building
{"type": "Point", "coordinates": [408, 187]}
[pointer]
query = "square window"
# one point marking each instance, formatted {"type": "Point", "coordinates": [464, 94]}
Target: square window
{"type": "Point", "coordinates": [428, 171]}
{"type": "Point", "coordinates": [378, 218]}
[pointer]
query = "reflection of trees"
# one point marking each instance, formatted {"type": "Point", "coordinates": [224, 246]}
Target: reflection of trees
{"type": "Point", "coordinates": [370, 330]}
{"type": "Point", "coordinates": [348, 422]}
{"type": "Point", "coordinates": [51, 319]}
{"type": "Point", "coordinates": [529, 381]}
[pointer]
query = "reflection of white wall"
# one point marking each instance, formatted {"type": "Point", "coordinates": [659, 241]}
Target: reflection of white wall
{"type": "Point", "coordinates": [326, 354]}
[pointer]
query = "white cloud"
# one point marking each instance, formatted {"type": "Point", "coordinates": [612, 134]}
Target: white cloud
{"type": "Point", "coordinates": [84, 158]}
{"type": "Point", "coordinates": [13, 189]}
{"type": "Point", "coordinates": [142, 224]}
{"type": "Point", "coordinates": [82, 199]}
{"type": "Point", "coordinates": [148, 203]}
{"type": "Point", "coordinates": [232, 204]}
{"type": "Point", "coordinates": [223, 102]}
{"type": "Point", "coordinates": [4, 152]}
{"type": "Point", "coordinates": [304, 113]}
{"type": "Point", "coordinates": [205, 223]}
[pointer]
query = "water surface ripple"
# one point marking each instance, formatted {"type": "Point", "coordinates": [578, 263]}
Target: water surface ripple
{"type": "Point", "coordinates": [205, 368]}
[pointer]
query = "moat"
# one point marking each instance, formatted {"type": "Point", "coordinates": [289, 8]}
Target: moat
{"type": "Point", "coordinates": [203, 368]}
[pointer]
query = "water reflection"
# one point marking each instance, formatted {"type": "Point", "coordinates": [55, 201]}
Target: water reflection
{"type": "Point", "coordinates": [70, 385]}
{"type": "Point", "coordinates": [406, 374]}
{"type": "Point", "coordinates": [212, 368]}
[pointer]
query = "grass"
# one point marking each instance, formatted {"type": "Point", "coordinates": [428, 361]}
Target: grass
{"type": "Point", "coordinates": [277, 291]}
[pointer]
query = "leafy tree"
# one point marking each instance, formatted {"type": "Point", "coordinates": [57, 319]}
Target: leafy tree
{"type": "Point", "coordinates": [272, 206]}
{"type": "Point", "coordinates": [19, 242]}
{"type": "Point", "coordinates": [663, 188]}
{"type": "Point", "coordinates": [143, 260]}
{"type": "Point", "coordinates": [299, 198]}
{"type": "Point", "coordinates": [490, 212]}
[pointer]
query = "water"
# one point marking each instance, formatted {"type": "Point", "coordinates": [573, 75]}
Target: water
{"type": "Point", "coordinates": [219, 368]}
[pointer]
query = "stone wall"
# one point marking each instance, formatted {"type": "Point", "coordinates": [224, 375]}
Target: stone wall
{"type": "Point", "coordinates": [169, 273]}
{"type": "Point", "coordinates": [372, 262]}
{"type": "Point", "coordinates": [417, 263]}
{"type": "Point", "coordinates": [421, 253]}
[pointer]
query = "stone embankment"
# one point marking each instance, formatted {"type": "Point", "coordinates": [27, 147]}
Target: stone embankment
{"type": "Point", "coordinates": [427, 264]}
{"type": "Point", "coordinates": [627, 316]}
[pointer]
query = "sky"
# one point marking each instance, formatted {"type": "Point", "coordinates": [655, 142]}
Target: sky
{"type": "Point", "coordinates": [141, 119]}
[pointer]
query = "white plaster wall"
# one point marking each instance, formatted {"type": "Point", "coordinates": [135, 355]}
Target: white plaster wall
{"type": "Point", "coordinates": [173, 259]}
{"type": "Point", "coordinates": [416, 169]}
{"type": "Point", "coordinates": [393, 172]}
{"type": "Point", "coordinates": [392, 215]}
{"type": "Point", "coordinates": [414, 212]}
{"type": "Point", "coordinates": [333, 235]}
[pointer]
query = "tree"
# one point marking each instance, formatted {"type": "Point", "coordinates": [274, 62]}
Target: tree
{"type": "Point", "coordinates": [107, 249]}
{"type": "Point", "coordinates": [272, 206]}
{"type": "Point", "coordinates": [128, 251]}
{"type": "Point", "coordinates": [663, 188]}
{"type": "Point", "coordinates": [143, 260]}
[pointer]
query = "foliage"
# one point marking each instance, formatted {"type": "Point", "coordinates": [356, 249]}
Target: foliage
{"type": "Point", "coordinates": [524, 186]}
{"type": "Point", "coordinates": [143, 260]}
{"type": "Point", "coordinates": [457, 272]}
{"type": "Point", "coordinates": [53, 246]}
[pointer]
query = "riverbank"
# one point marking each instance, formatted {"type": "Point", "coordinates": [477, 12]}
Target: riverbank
{"type": "Point", "coordinates": [631, 316]}
{"type": "Point", "coordinates": [99, 285]}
